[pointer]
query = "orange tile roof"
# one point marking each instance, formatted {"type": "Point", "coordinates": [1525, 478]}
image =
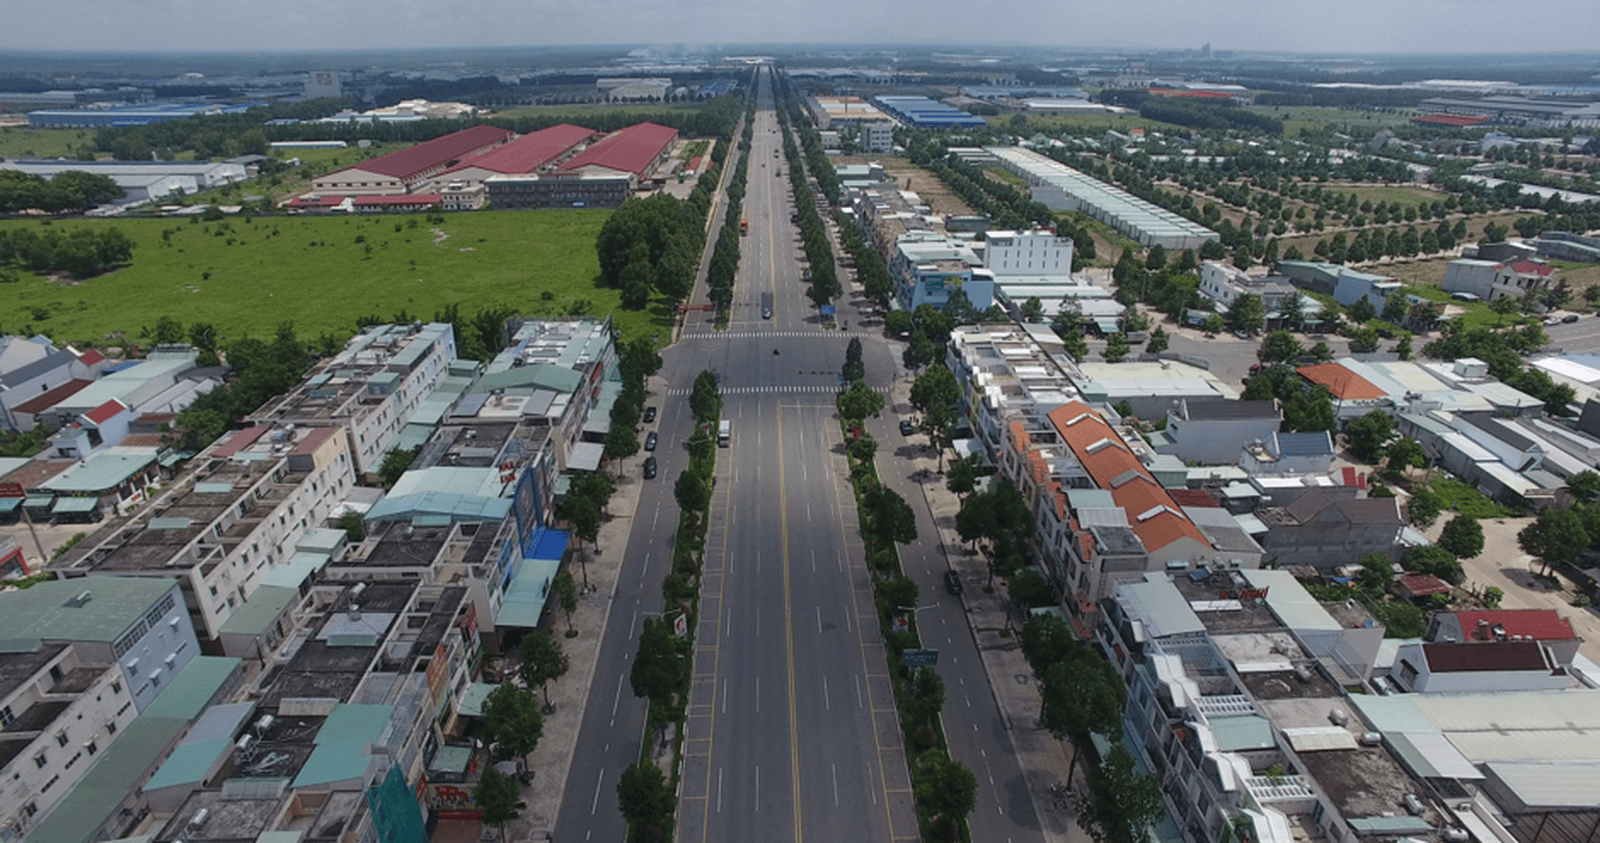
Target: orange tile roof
{"type": "Point", "coordinates": [1343, 383]}
{"type": "Point", "coordinates": [1151, 512]}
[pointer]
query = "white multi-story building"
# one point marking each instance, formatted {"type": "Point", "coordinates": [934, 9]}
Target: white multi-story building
{"type": "Point", "coordinates": [877, 136]}
{"type": "Point", "coordinates": [81, 658]}
{"type": "Point", "coordinates": [370, 389]}
{"type": "Point", "coordinates": [1031, 253]}
{"type": "Point", "coordinates": [223, 527]}
{"type": "Point", "coordinates": [1236, 700]}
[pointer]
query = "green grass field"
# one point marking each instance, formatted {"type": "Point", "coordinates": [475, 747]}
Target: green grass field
{"type": "Point", "coordinates": [250, 276]}
{"type": "Point", "coordinates": [1296, 118]}
{"type": "Point", "coordinates": [44, 143]}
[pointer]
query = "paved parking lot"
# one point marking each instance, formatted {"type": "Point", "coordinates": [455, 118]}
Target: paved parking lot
{"type": "Point", "coordinates": [1504, 566]}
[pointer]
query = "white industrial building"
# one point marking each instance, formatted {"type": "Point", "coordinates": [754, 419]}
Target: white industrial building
{"type": "Point", "coordinates": [144, 181]}
{"type": "Point", "coordinates": [1061, 188]}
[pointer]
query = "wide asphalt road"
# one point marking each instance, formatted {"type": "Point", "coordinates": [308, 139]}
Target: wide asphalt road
{"type": "Point", "coordinates": [792, 731]}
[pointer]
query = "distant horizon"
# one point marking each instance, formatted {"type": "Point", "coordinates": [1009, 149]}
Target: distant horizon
{"type": "Point", "coordinates": [1466, 28]}
{"type": "Point", "coordinates": [736, 47]}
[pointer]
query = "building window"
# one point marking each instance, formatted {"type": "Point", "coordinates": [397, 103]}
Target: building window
{"type": "Point", "coordinates": [116, 687]}
{"type": "Point", "coordinates": [31, 808]}
{"type": "Point", "coordinates": [111, 727]}
{"type": "Point", "coordinates": [39, 760]}
{"type": "Point", "coordinates": [6, 716]}
{"type": "Point", "coordinates": [61, 738]}
{"type": "Point", "coordinates": [91, 747]}
{"type": "Point", "coordinates": [49, 784]}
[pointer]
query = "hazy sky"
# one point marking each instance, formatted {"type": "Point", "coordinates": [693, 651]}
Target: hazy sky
{"type": "Point", "coordinates": [1341, 26]}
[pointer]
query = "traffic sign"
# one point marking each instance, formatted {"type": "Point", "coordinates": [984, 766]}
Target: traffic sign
{"type": "Point", "coordinates": [919, 658]}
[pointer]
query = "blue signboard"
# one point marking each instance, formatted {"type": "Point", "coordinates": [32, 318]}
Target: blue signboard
{"type": "Point", "coordinates": [919, 658]}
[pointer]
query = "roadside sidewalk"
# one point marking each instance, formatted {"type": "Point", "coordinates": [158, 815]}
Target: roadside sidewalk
{"type": "Point", "coordinates": [1044, 759]}
{"type": "Point", "coordinates": [551, 760]}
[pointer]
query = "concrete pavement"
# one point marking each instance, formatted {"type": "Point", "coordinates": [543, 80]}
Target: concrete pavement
{"type": "Point", "coordinates": [997, 633]}
{"type": "Point", "coordinates": [552, 758]}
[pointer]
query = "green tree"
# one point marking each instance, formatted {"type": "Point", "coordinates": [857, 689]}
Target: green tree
{"type": "Point", "coordinates": [859, 401]}
{"type": "Point", "coordinates": [1117, 348]}
{"type": "Point", "coordinates": [1377, 572]}
{"type": "Point", "coordinates": [1425, 507]}
{"type": "Point", "coordinates": [353, 527]}
{"type": "Point", "coordinates": [1585, 485]}
{"type": "Point", "coordinates": [1247, 313]}
{"type": "Point", "coordinates": [1215, 324]}
{"type": "Point", "coordinates": [1363, 311]}
{"type": "Point", "coordinates": [497, 795]}
{"type": "Point", "coordinates": [1492, 597]}
{"type": "Point", "coordinates": [541, 661]}
{"type": "Point", "coordinates": [1081, 695]}
{"type": "Point", "coordinates": [1033, 310]}
{"type": "Point", "coordinates": [1322, 352]}
{"type": "Point", "coordinates": [919, 352]}
{"type": "Point", "coordinates": [396, 461]}
{"type": "Point", "coordinates": [1293, 309]}
{"type": "Point", "coordinates": [1405, 453]}
{"type": "Point", "coordinates": [1432, 559]}
{"type": "Point", "coordinates": [512, 719]}
{"type": "Point", "coordinates": [1368, 435]}
{"type": "Point", "coordinates": [565, 588]}
{"type": "Point", "coordinates": [1364, 340]}
{"type": "Point", "coordinates": [691, 492]}
{"type": "Point", "coordinates": [1396, 307]}
{"type": "Point", "coordinates": [1279, 347]}
{"type": "Point", "coordinates": [1121, 804]}
{"type": "Point", "coordinates": [1156, 260]}
{"type": "Point", "coordinates": [962, 478]}
{"type": "Point", "coordinates": [1310, 409]}
{"type": "Point", "coordinates": [946, 789]}
{"type": "Point", "coordinates": [1402, 348]}
{"type": "Point", "coordinates": [934, 394]}
{"type": "Point", "coordinates": [892, 518]}
{"type": "Point", "coordinates": [1557, 536]}
{"type": "Point", "coordinates": [705, 400]}
{"type": "Point", "coordinates": [656, 668]}
{"type": "Point", "coordinates": [1030, 589]}
{"type": "Point", "coordinates": [645, 798]}
{"type": "Point", "coordinates": [863, 448]}
{"type": "Point", "coordinates": [925, 698]}
{"type": "Point", "coordinates": [1505, 306]}
{"type": "Point", "coordinates": [1462, 536]}
{"type": "Point", "coordinates": [1158, 341]}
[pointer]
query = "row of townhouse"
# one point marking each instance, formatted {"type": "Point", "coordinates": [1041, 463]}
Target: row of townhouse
{"type": "Point", "coordinates": [1267, 714]}
{"type": "Point", "coordinates": [292, 677]}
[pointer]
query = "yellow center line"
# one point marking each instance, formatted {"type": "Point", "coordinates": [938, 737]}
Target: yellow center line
{"type": "Point", "coordinates": [788, 629]}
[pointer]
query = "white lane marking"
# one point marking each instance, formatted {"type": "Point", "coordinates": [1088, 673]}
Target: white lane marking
{"type": "Point", "coordinates": [835, 773]}
{"type": "Point", "coordinates": [719, 790]}
{"type": "Point", "coordinates": [599, 780]}
{"type": "Point", "coordinates": [859, 702]}
{"type": "Point", "coordinates": [617, 700]}
{"type": "Point", "coordinates": [827, 699]}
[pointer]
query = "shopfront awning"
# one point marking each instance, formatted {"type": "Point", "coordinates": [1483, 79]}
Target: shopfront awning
{"type": "Point", "coordinates": [65, 505]}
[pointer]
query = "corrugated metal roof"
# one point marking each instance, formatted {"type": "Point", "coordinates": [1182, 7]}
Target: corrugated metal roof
{"type": "Point", "coordinates": [1544, 785]}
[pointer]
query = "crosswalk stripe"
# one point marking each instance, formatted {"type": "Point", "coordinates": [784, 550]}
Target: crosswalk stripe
{"type": "Point", "coordinates": [770, 389]}
{"type": "Point", "coordinates": [745, 335]}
